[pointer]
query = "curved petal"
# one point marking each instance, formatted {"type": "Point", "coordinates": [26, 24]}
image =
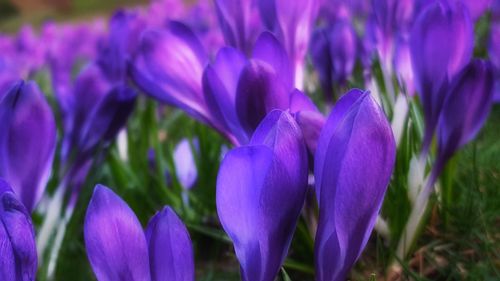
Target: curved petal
{"type": "Point", "coordinates": [466, 108]}
{"type": "Point", "coordinates": [259, 91]}
{"type": "Point", "coordinates": [234, 20]}
{"type": "Point", "coordinates": [448, 26]}
{"type": "Point", "coordinates": [18, 257]}
{"type": "Point", "coordinates": [169, 67]}
{"type": "Point", "coordinates": [114, 239]}
{"type": "Point", "coordinates": [27, 141]}
{"type": "Point", "coordinates": [336, 117]}
{"type": "Point", "coordinates": [358, 159]}
{"type": "Point", "coordinates": [107, 118]}
{"type": "Point", "coordinates": [260, 192]}
{"type": "Point", "coordinates": [269, 50]}
{"type": "Point", "coordinates": [170, 250]}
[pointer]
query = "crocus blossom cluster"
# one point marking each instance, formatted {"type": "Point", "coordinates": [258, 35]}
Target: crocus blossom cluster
{"type": "Point", "coordinates": [249, 69]}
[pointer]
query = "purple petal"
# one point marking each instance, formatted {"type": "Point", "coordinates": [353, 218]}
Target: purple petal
{"type": "Point", "coordinates": [292, 22]}
{"type": "Point", "coordinates": [17, 238]}
{"type": "Point", "coordinates": [477, 8]}
{"type": "Point", "coordinates": [170, 250]}
{"type": "Point", "coordinates": [114, 239]}
{"type": "Point", "coordinates": [125, 28]}
{"type": "Point", "coordinates": [185, 166]}
{"type": "Point", "coordinates": [169, 67]}
{"type": "Point", "coordinates": [466, 107]}
{"type": "Point", "coordinates": [89, 89]}
{"type": "Point", "coordinates": [219, 88]}
{"type": "Point", "coordinates": [107, 118]}
{"type": "Point", "coordinates": [260, 90]}
{"type": "Point", "coordinates": [353, 166]}
{"type": "Point", "coordinates": [341, 109]}
{"type": "Point", "coordinates": [311, 123]}
{"type": "Point", "coordinates": [27, 141]}
{"type": "Point", "coordinates": [269, 50]}
{"type": "Point", "coordinates": [234, 17]}
{"type": "Point", "coordinates": [300, 102]}
{"type": "Point", "coordinates": [343, 44]}
{"type": "Point", "coordinates": [260, 192]}
{"type": "Point", "coordinates": [450, 28]}
{"type": "Point", "coordinates": [321, 60]}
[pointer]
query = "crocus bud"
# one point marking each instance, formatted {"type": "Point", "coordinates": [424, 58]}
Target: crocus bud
{"type": "Point", "coordinates": [27, 141]}
{"type": "Point", "coordinates": [353, 165]}
{"type": "Point", "coordinates": [171, 255]}
{"type": "Point", "coordinates": [440, 45]}
{"type": "Point", "coordinates": [333, 53]}
{"type": "Point", "coordinates": [261, 189]}
{"type": "Point", "coordinates": [185, 165]}
{"type": "Point", "coordinates": [18, 258]}
{"type": "Point", "coordinates": [117, 246]}
{"type": "Point", "coordinates": [465, 109]}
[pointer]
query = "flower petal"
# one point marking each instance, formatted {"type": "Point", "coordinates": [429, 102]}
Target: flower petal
{"type": "Point", "coordinates": [169, 67]}
{"type": "Point", "coordinates": [448, 26]}
{"type": "Point", "coordinates": [353, 167]}
{"type": "Point", "coordinates": [260, 192]}
{"type": "Point", "coordinates": [114, 239]}
{"type": "Point", "coordinates": [170, 250]}
{"type": "Point", "coordinates": [17, 238]}
{"type": "Point", "coordinates": [27, 141]}
{"type": "Point", "coordinates": [466, 108]}
{"type": "Point", "coordinates": [260, 90]}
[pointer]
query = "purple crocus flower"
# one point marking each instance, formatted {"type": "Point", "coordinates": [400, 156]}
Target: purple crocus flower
{"type": "Point", "coordinates": [185, 165]}
{"type": "Point", "coordinates": [352, 168]}
{"type": "Point", "coordinates": [27, 141]}
{"type": "Point", "coordinates": [240, 92]}
{"type": "Point", "coordinates": [119, 249]}
{"type": "Point", "coordinates": [440, 45]}
{"type": "Point", "coordinates": [261, 189]}
{"type": "Point", "coordinates": [333, 53]}
{"type": "Point", "coordinates": [465, 111]}
{"type": "Point", "coordinates": [292, 22]}
{"type": "Point", "coordinates": [18, 258]}
{"type": "Point", "coordinates": [390, 18]}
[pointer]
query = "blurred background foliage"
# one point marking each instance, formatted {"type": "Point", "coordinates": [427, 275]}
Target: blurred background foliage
{"type": "Point", "coordinates": [462, 237]}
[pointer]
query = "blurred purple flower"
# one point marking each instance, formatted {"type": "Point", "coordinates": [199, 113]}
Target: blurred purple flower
{"type": "Point", "coordinates": [119, 249]}
{"type": "Point", "coordinates": [465, 111]}
{"type": "Point", "coordinates": [27, 141]}
{"type": "Point", "coordinates": [353, 166]}
{"type": "Point", "coordinates": [292, 22]}
{"type": "Point", "coordinates": [18, 257]}
{"type": "Point", "coordinates": [333, 54]}
{"type": "Point", "coordinates": [185, 165]}
{"type": "Point", "coordinates": [261, 189]}
{"type": "Point", "coordinates": [440, 45]}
